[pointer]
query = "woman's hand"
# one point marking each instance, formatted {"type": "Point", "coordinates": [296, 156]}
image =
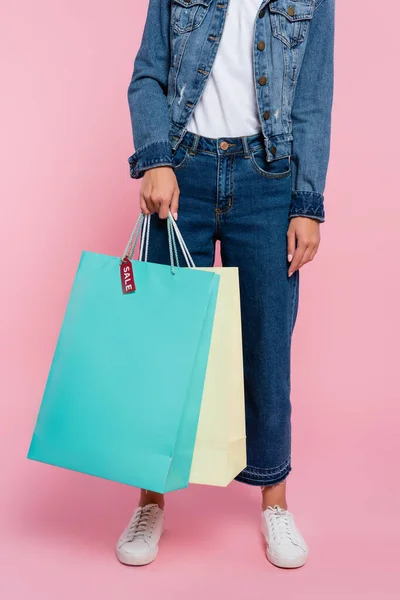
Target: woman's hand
{"type": "Point", "coordinates": [159, 192]}
{"type": "Point", "coordinates": [303, 241]}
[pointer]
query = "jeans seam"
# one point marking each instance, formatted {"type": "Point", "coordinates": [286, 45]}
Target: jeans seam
{"type": "Point", "coordinates": [266, 483]}
{"type": "Point", "coordinates": [183, 162]}
{"type": "Point", "coordinates": [224, 211]}
{"type": "Point", "coordinates": [259, 171]}
{"type": "Point", "coordinates": [213, 256]}
{"type": "Point", "coordinates": [259, 472]}
{"type": "Point", "coordinates": [294, 295]}
{"type": "Point", "coordinates": [218, 182]}
{"type": "Point", "coordinates": [264, 480]}
{"type": "Point", "coordinates": [214, 153]}
{"type": "Point", "coordinates": [232, 183]}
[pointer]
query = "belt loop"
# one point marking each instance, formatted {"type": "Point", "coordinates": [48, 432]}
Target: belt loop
{"type": "Point", "coordinates": [245, 147]}
{"type": "Point", "coordinates": [196, 139]}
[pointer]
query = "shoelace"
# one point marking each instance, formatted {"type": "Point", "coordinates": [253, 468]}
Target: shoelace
{"type": "Point", "coordinates": [282, 525]}
{"type": "Point", "coordinates": [138, 526]}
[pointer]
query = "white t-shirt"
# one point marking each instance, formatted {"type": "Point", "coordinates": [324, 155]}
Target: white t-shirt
{"type": "Point", "coordinates": [228, 105]}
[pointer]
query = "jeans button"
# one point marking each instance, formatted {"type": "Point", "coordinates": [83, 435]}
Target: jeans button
{"type": "Point", "coordinates": [224, 145]}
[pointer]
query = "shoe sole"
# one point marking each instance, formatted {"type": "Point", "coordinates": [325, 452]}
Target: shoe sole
{"type": "Point", "coordinates": [137, 561]}
{"type": "Point", "coordinates": [280, 561]}
{"type": "Point", "coordinates": [286, 563]}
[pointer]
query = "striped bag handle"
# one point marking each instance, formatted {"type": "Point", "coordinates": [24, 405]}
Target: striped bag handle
{"type": "Point", "coordinates": [142, 226]}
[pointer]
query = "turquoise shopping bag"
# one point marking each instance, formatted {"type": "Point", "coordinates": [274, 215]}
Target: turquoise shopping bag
{"type": "Point", "coordinates": [124, 391]}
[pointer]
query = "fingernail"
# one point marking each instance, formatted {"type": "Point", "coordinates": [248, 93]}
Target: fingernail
{"type": "Point", "coordinates": [176, 216]}
{"type": "Point", "coordinates": [290, 273]}
{"type": "Point", "coordinates": [289, 257]}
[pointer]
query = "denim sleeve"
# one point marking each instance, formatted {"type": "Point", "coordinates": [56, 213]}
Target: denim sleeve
{"type": "Point", "coordinates": [311, 116]}
{"type": "Point", "coordinates": [147, 93]}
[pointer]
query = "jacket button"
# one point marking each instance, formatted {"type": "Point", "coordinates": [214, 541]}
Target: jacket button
{"type": "Point", "coordinates": [262, 80]}
{"type": "Point", "coordinates": [261, 14]}
{"type": "Point", "coordinates": [273, 150]}
{"type": "Point", "coordinates": [290, 11]}
{"type": "Point", "coordinates": [261, 45]}
{"type": "Point", "coordinates": [267, 114]}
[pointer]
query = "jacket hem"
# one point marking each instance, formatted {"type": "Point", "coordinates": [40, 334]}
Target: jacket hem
{"type": "Point", "coordinates": [276, 146]}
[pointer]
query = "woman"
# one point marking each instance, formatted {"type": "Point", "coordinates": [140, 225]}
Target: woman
{"type": "Point", "coordinates": [231, 114]}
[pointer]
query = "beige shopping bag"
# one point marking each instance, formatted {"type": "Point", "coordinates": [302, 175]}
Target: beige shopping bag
{"type": "Point", "coordinates": [220, 449]}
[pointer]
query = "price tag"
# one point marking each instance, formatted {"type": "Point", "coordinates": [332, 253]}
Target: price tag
{"type": "Point", "coordinates": [127, 278]}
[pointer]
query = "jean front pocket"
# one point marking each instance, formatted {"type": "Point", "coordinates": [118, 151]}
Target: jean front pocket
{"type": "Point", "coordinates": [290, 20]}
{"type": "Point", "coordinates": [180, 157]}
{"type": "Point", "coordinates": [275, 169]}
{"type": "Point", "coordinates": [187, 15]}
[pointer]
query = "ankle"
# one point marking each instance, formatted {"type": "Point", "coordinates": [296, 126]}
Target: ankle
{"type": "Point", "coordinates": [148, 497]}
{"type": "Point", "coordinates": [274, 495]}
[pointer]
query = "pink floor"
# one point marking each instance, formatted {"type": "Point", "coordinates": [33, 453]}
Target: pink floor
{"type": "Point", "coordinates": [58, 534]}
{"type": "Point", "coordinates": [58, 528]}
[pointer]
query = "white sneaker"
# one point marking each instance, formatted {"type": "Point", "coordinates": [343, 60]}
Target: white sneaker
{"type": "Point", "coordinates": [286, 547]}
{"type": "Point", "coordinates": [138, 545]}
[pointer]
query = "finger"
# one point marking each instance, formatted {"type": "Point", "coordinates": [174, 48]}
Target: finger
{"type": "Point", "coordinates": [163, 209]}
{"type": "Point", "coordinates": [297, 258]}
{"type": "Point", "coordinates": [291, 244]}
{"type": "Point", "coordinates": [306, 256]}
{"type": "Point", "coordinates": [143, 207]}
{"type": "Point", "coordinates": [146, 205]}
{"type": "Point", "coordinates": [175, 204]}
{"type": "Point", "coordinates": [150, 204]}
{"type": "Point", "coordinates": [315, 251]}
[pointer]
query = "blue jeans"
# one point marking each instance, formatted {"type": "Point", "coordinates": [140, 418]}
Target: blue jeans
{"type": "Point", "coordinates": [230, 193]}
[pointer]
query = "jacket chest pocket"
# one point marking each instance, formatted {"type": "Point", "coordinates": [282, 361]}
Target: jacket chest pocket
{"type": "Point", "coordinates": [290, 20]}
{"type": "Point", "coordinates": [187, 15]}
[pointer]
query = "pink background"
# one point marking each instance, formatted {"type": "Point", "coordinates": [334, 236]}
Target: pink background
{"type": "Point", "coordinates": [64, 187]}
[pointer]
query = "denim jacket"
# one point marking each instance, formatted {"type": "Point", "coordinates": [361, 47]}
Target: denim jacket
{"type": "Point", "coordinates": [293, 77]}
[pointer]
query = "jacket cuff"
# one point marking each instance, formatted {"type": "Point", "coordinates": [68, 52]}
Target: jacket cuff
{"type": "Point", "coordinates": [157, 154]}
{"type": "Point", "coordinates": [307, 204]}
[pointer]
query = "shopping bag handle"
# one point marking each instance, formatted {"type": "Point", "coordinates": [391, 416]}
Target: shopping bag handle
{"type": "Point", "coordinates": [173, 235]}
{"type": "Point", "coordinates": [188, 257]}
{"type": "Point", "coordinates": [142, 226]}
